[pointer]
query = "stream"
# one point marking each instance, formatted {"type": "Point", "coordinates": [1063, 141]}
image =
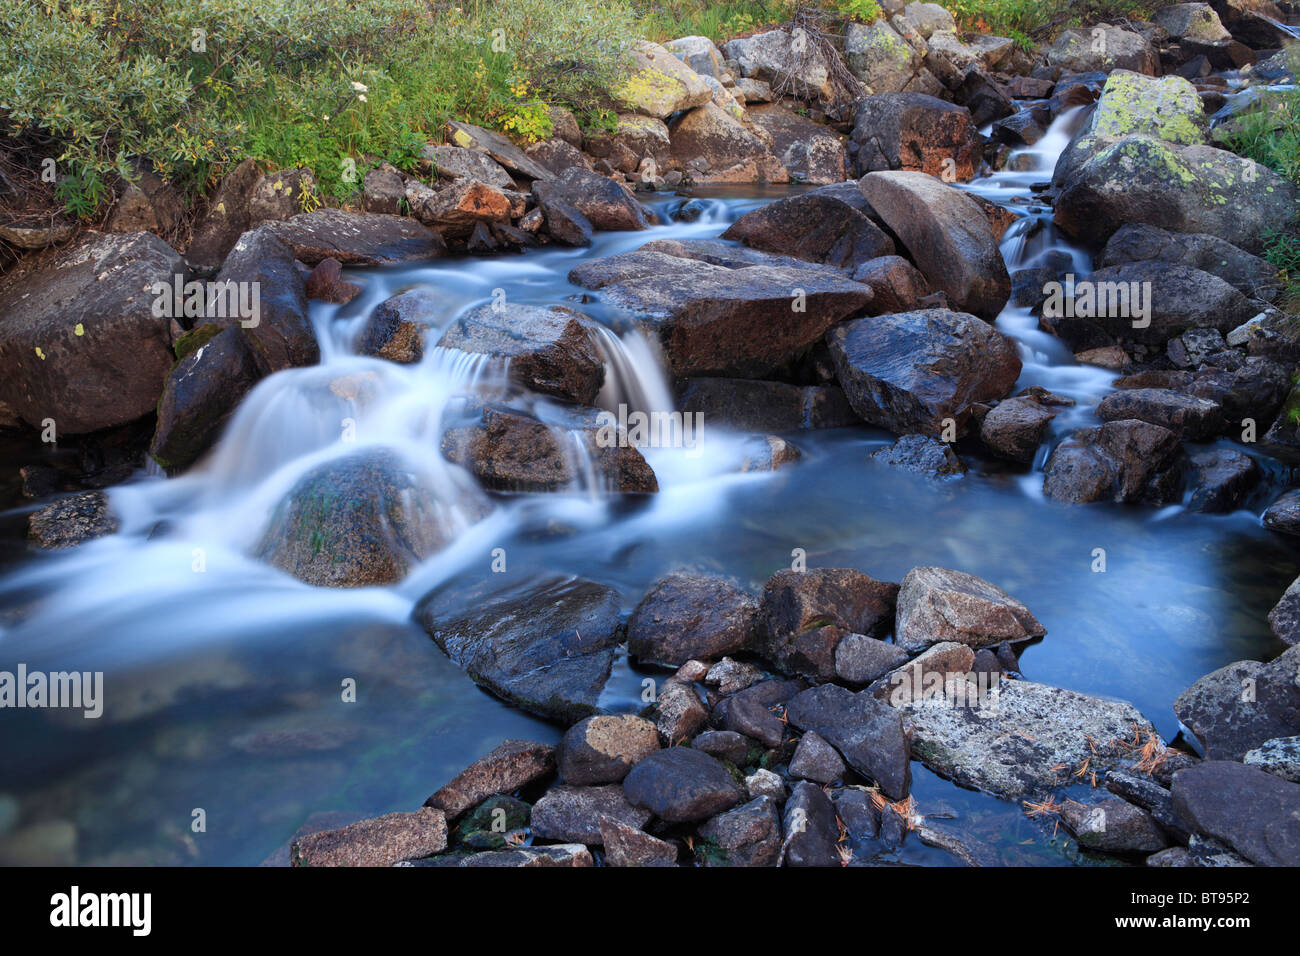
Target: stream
{"type": "Point", "coordinates": [224, 678]}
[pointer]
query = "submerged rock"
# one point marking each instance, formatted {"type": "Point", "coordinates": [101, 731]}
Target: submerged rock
{"type": "Point", "coordinates": [362, 520]}
{"type": "Point", "coordinates": [546, 646]}
{"type": "Point", "coordinates": [921, 455]}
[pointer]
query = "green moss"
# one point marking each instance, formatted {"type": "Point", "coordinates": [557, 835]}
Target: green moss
{"type": "Point", "coordinates": [195, 339]}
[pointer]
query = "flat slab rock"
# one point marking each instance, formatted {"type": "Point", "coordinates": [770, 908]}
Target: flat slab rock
{"type": "Point", "coordinates": [1032, 740]}
{"type": "Point", "coordinates": [358, 238]}
{"type": "Point", "coordinates": [382, 841]}
{"type": "Point", "coordinates": [547, 646]}
{"type": "Point", "coordinates": [511, 765]}
{"type": "Point", "coordinates": [1254, 812]}
{"type": "Point", "coordinates": [1241, 705]}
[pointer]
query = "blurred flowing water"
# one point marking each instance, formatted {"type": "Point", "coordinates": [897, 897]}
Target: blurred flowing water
{"type": "Point", "coordinates": [224, 686]}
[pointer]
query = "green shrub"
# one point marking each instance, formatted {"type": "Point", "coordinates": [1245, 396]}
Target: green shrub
{"type": "Point", "coordinates": [333, 86]}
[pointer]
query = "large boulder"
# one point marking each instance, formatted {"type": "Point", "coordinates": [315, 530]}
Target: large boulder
{"type": "Point", "coordinates": [202, 392]}
{"type": "Point", "coordinates": [510, 450]}
{"type": "Point", "coordinates": [882, 59]}
{"type": "Point", "coordinates": [947, 235]}
{"type": "Point", "coordinates": [791, 63]}
{"type": "Point", "coordinates": [1255, 813]}
{"type": "Point", "coordinates": [82, 339]}
{"type": "Point", "coordinates": [603, 202]}
{"type": "Point", "coordinates": [1200, 189]}
{"type": "Point", "coordinates": [1197, 419]}
{"type": "Point", "coordinates": [686, 616]}
{"type": "Point", "coordinates": [915, 371]}
{"type": "Point", "coordinates": [715, 148]}
{"type": "Point", "coordinates": [549, 350]}
{"type": "Point", "coordinates": [365, 519]}
{"type": "Point", "coordinates": [357, 238]}
{"type": "Point", "coordinates": [1122, 461]}
{"type": "Point", "coordinates": [659, 84]}
{"type": "Point", "coordinates": [913, 131]}
{"type": "Point", "coordinates": [814, 226]}
{"type": "Point", "coordinates": [547, 645]}
{"type": "Point", "coordinates": [1252, 276]}
{"type": "Point", "coordinates": [1147, 302]}
{"type": "Point", "coordinates": [939, 605]}
{"type": "Point", "coordinates": [1240, 706]}
{"type": "Point", "coordinates": [281, 334]}
{"type": "Point", "coordinates": [1023, 738]}
{"type": "Point", "coordinates": [805, 616]}
{"type": "Point", "coordinates": [811, 153]}
{"type": "Point", "coordinates": [740, 322]}
{"type": "Point", "coordinates": [1103, 47]}
{"type": "Point", "coordinates": [634, 139]}
{"type": "Point", "coordinates": [227, 218]}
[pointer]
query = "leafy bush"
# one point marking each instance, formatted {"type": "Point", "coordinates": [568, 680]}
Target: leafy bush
{"type": "Point", "coordinates": [1039, 20]}
{"type": "Point", "coordinates": [194, 86]}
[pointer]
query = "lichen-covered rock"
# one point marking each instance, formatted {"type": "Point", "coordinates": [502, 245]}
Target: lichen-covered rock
{"type": "Point", "coordinates": [880, 58]}
{"type": "Point", "coordinates": [659, 84]}
{"type": "Point", "coordinates": [1033, 739]}
{"type": "Point", "coordinates": [1103, 47]}
{"type": "Point", "coordinates": [630, 846]}
{"type": "Point", "coordinates": [1279, 756]}
{"type": "Point", "coordinates": [458, 162]}
{"type": "Point", "coordinates": [602, 749]}
{"type": "Point", "coordinates": [714, 148]}
{"type": "Point", "coordinates": [937, 605]}
{"type": "Point", "coordinates": [573, 814]}
{"type": "Point", "coordinates": [1143, 179]}
{"type": "Point", "coordinates": [812, 153]}
{"type": "Point", "coordinates": [1241, 705]}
